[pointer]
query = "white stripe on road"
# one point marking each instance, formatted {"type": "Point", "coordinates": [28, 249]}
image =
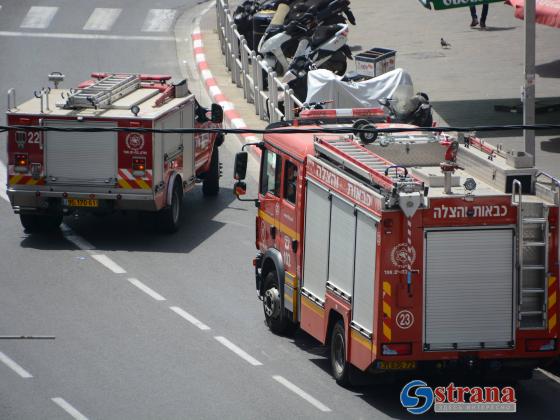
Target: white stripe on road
{"type": "Point", "coordinates": [240, 352]}
{"type": "Point", "coordinates": [108, 263]}
{"type": "Point", "coordinates": [77, 240]}
{"type": "Point", "coordinates": [297, 390]}
{"type": "Point", "coordinates": [87, 36]}
{"type": "Point", "coordinates": [146, 289]}
{"type": "Point", "coordinates": [102, 19]}
{"type": "Point", "coordinates": [159, 20]}
{"type": "Point", "coordinates": [549, 375]}
{"type": "Point", "coordinates": [3, 181]}
{"type": "Point", "coordinates": [14, 366]}
{"type": "Point", "coordinates": [39, 17]}
{"type": "Point", "coordinates": [68, 408]}
{"type": "Point", "coordinates": [185, 315]}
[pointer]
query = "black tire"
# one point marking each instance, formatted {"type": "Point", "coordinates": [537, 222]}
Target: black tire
{"type": "Point", "coordinates": [211, 182]}
{"type": "Point", "coordinates": [272, 306]}
{"type": "Point", "coordinates": [33, 223]}
{"type": "Point", "coordinates": [337, 63]}
{"type": "Point", "coordinates": [170, 217]}
{"type": "Point", "coordinates": [340, 368]}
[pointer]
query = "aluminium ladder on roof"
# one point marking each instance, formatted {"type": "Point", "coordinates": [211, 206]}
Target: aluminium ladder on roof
{"type": "Point", "coordinates": [347, 152]}
{"type": "Point", "coordinates": [104, 92]}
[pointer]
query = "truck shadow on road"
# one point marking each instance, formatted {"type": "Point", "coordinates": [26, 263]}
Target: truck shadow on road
{"type": "Point", "coordinates": [135, 232]}
{"type": "Point", "coordinates": [536, 398]}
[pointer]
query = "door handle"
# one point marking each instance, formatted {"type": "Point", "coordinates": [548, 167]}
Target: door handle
{"type": "Point", "coordinates": [273, 232]}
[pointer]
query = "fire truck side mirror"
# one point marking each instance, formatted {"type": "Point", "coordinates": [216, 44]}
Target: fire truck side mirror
{"type": "Point", "coordinates": [240, 166]}
{"type": "Point", "coordinates": [240, 188]}
{"type": "Point", "coordinates": [217, 114]}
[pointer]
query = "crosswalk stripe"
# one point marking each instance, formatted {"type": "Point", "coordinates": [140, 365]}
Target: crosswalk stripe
{"type": "Point", "coordinates": [159, 20]}
{"type": "Point", "coordinates": [38, 17]}
{"type": "Point", "coordinates": [102, 19]}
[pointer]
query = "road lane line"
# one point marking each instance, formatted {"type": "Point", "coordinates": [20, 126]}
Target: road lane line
{"type": "Point", "coordinates": [76, 239]}
{"type": "Point", "coordinates": [297, 390]}
{"type": "Point", "coordinates": [3, 181]}
{"type": "Point", "coordinates": [87, 36]}
{"type": "Point", "coordinates": [38, 17]}
{"type": "Point", "coordinates": [549, 375]}
{"type": "Point", "coordinates": [108, 263]}
{"type": "Point", "coordinates": [102, 19]}
{"type": "Point", "coordinates": [14, 366]}
{"type": "Point", "coordinates": [62, 403]}
{"type": "Point", "coordinates": [240, 352]}
{"type": "Point", "coordinates": [159, 20]}
{"type": "Point", "coordinates": [146, 289]}
{"type": "Point", "coordinates": [185, 315]}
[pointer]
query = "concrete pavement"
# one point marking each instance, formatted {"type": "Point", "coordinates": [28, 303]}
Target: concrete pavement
{"type": "Point", "coordinates": [480, 70]}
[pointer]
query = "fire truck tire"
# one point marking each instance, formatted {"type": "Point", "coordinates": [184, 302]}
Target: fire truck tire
{"type": "Point", "coordinates": [170, 217]}
{"type": "Point", "coordinates": [211, 182]}
{"type": "Point", "coordinates": [272, 306]}
{"type": "Point", "coordinates": [340, 368]}
{"type": "Point", "coordinates": [40, 222]}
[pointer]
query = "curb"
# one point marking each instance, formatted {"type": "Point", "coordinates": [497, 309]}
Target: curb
{"type": "Point", "coordinates": [232, 117]}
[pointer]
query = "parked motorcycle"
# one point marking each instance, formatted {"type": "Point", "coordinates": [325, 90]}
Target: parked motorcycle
{"type": "Point", "coordinates": [416, 110]}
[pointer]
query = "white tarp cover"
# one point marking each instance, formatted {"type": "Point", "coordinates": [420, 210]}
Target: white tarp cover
{"type": "Point", "coordinates": [324, 85]}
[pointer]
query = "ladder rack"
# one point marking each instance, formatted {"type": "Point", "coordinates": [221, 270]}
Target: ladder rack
{"type": "Point", "coordinates": [104, 92]}
{"type": "Point", "coordinates": [351, 155]}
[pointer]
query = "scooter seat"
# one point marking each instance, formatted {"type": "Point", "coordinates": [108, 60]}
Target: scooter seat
{"type": "Point", "coordinates": [322, 34]}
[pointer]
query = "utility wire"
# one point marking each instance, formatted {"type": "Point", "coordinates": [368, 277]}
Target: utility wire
{"type": "Point", "coordinates": [282, 130]}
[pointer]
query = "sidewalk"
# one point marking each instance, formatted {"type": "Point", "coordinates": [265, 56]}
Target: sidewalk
{"type": "Point", "coordinates": [480, 70]}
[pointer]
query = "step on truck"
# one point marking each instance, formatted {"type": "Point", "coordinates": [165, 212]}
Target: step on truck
{"type": "Point", "coordinates": [58, 172]}
{"type": "Point", "coordinates": [407, 251]}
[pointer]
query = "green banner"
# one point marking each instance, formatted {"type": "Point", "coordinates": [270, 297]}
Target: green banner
{"type": "Point", "coordinates": [451, 4]}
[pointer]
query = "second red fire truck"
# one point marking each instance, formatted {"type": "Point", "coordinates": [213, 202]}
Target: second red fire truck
{"type": "Point", "coordinates": [55, 172]}
{"type": "Point", "coordinates": [412, 251]}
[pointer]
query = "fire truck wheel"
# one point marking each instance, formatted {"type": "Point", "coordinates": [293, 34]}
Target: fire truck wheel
{"type": "Point", "coordinates": [170, 217]}
{"type": "Point", "coordinates": [339, 366]}
{"type": "Point", "coordinates": [211, 183]}
{"type": "Point", "coordinates": [40, 222]}
{"type": "Point", "coordinates": [273, 306]}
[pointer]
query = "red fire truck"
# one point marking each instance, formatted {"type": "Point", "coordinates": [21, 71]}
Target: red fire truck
{"type": "Point", "coordinates": [406, 251]}
{"type": "Point", "coordinates": [56, 172]}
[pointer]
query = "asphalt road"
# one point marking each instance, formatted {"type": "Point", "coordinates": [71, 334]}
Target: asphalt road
{"type": "Point", "coordinates": [147, 325]}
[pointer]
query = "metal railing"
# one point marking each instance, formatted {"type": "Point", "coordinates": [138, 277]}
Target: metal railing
{"type": "Point", "coordinates": [248, 71]}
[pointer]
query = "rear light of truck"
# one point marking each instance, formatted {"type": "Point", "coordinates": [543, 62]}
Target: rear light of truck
{"type": "Point", "coordinates": [21, 162]}
{"type": "Point", "coordinates": [540, 345]}
{"type": "Point", "coordinates": [396, 349]}
{"type": "Point", "coordinates": [138, 166]}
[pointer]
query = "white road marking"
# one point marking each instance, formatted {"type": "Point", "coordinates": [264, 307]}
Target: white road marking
{"type": "Point", "coordinates": [549, 375]}
{"type": "Point", "coordinates": [297, 390]}
{"type": "Point", "coordinates": [240, 352]}
{"type": "Point", "coordinates": [3, 181]}
{"type": "Point", "coordinates": [185, 315]}
{"type": "Point", "coordinates": [87, 36]}
{"type": "Point", "coordinates": [39, 17]}
{"type": "Point", "coordinates": [14, 366]}
{"type": "Point", "coordinates": [61, 402]}
{"type": "Point", "coordinates": [102, 19]}
{"type": "Point", "coordinates": [159, 20]}
{"type": "Point", "coordinates": [108, 263]}
{"type": "Point", "coordinates": [77, 240]}
{"type": "Point", "coordinates": [146, 289]}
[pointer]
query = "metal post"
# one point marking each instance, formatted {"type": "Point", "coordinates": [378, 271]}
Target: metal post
{"type": "Point", "coordinates": [529, 84]}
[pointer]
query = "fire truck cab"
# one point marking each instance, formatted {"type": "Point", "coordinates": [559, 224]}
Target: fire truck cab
{"type": "Point", "coordinates": [409, 251]}
{"type": "Point", "coordinates": [84, 149]}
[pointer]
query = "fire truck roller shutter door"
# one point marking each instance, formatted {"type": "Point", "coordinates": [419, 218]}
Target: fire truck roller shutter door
{"type": "Point", "coordinates": [341, 247]}
{"type": "Point", "coordinates": [364, 271]}
{"type": "Point", "coordinates": [469, 292]}
{"type": "Point", "coordinates": [316, 251]}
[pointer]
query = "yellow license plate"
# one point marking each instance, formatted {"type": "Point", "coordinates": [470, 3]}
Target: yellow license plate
{"type": "Point", "coordinates": [78, 202]}
{"type": "Point", "coordinates": [396, 365]}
